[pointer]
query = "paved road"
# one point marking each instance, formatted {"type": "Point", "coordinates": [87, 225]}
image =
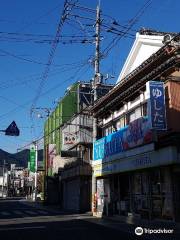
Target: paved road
{"type": "Point", "coordinates": [20, 221]}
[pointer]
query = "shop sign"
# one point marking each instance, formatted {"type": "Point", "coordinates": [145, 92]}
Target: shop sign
{"type": "Point", "coordinates": [100, 194]}
{"type": "Point", "coordinates": [69, 138]}
{"type": "Point", "coordinates": [98, 149]}
{"type": "Point", "coordinates": [137, 133]}
{"type": "Point", "coordinates": [32, 158]}
{"type": "Point", "coordinates": [156, 105]}
{"type": "Point", "coordinates": [51, 154]}
{"type": "Point", "coordinates": [152, 159]}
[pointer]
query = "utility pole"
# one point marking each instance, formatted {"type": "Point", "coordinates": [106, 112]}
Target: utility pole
{"type": "Point", "coordinates": [97, 78]}
{"type": "Point", "coordinates": [97, 75]}
{"type": "Point", "coordinates": [96, 83]}
{"type": "Point", "coordinates": [3, 178]}
{"type": "Point", "coordinates": [39, 111]}
{"type": "Point", "coordinates": [36, 167]}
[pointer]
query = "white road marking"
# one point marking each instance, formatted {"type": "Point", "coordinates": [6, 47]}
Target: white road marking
{"type": "Point", "coordinates": [30, 212]}
{"type": "Point", "coordinates": [42, 212]}
{"type": "Point", "coordinates": [5, 213]}
{"type": "Point", "coordinates": [21, 228]}
{"type": "Point", "coordinates": [17, 212]}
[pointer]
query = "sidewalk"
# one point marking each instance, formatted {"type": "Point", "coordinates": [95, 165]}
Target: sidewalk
{"type": "Point", "coordinates": [128, 220]}
{"type": "Point", "coordinates": [121, 223]}
{"type": "Point", "coordinates": [144, 222]}
{"type": "Point", "coordinates": [131, 223]}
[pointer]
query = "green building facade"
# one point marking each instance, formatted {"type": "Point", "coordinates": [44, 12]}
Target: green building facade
{"type": "Point", "coordinates": [65, 109]}
{"type": "Point", "coordinates": [77, 98]}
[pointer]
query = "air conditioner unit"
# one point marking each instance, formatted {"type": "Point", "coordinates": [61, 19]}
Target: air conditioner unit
{"type": "Point", "coordinates": [167, 38]}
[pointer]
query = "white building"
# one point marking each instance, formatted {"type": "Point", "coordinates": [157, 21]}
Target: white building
{"type": "Point", "coordinates": [145, 44]}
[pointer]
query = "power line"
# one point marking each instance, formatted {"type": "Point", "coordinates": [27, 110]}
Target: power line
{"type": "Point", "coordinates": [36, 36]}
{"type": "Point", "coordinates": [24, 59]}
{"type": "Point", "coordinates": [39, 17]}
{"type": "Point", "coordinates": [80, 7]}
{"type": "Point", "coordinates": [32, 79]}
{"type": "Point", "coordinates": [129, 27]}
{"type": "Point", "coordinates": [48, 91]}
{"type": "Point", "coordinates": [11, 101]}
{"type": "Point", "coordinates": [54, 130]}
{"type": "Point", "coordinates": [67, 39]}
{"type": "Point", "coordinates": [64, 15]}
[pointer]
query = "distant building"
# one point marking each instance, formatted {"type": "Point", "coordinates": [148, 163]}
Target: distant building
{"type": "Point", "coordinates": [3, 181]}
{"type": "Point", "coordinates": [16, 182]}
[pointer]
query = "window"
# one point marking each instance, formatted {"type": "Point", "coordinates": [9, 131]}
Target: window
{"type": "Point", "coordinates": [135, 102]}
{"type": "Point", "coordinates": [107, 130]}
{"type": "Point", "coordinates": [144, 109]}
{"type": "Point", "coordinates": [120, 123]}
{"type": "Point", "coordinates": [125, 119]}
{"type": "Point", "coordinates": [135, 114]}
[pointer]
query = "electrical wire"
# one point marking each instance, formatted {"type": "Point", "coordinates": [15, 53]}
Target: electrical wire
{"type": "Point", "coordinates": [39, 17]}
{"type": "Point", "coordinates": [79, 7]}
{"type": "Point", "coordinates": [125, 33]}
{"type": "Point", "coordinates": [25, 59]}
{"type": "Point", "coordinates": [46, 92]}
{"type": "Point", "coordinates": [65, 12]}
{"type": "Point", "coordinates": [132, 22]}
{"type": "Point", "coordinates": [11, 101]}
{"type": "Point", "coordinates": [46, 135]}
{"type": "Point", "coordinates": [32, 79]}
{"type": "Point", "coordinates": [42, 137]}
{"type": "Point", "coordinates": [39, 40]}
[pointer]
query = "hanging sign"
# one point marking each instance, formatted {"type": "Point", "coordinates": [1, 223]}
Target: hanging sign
{"type": "Point", "coordinates": [32, 158]}
{"type": "Point", "coordinates": [156, 105]}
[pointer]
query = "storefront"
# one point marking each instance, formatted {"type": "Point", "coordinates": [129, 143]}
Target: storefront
{"type": "Point", "coordinates": [141, 185]}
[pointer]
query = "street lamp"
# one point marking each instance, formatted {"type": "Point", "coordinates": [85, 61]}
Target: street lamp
{"type": "Point", "coordinates": [39, 111]}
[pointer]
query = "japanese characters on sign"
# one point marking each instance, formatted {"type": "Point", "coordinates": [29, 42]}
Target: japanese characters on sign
{"type": "Point", "coordinates": [51, 154]}
{"type": "Point", "coordinates": [98, 149]}
{"type": "Point", "coordinates": [32, 158]}
{"type": "Point", "coordinates": [69, 138]}
{"type": "Point", "coordinates": [157, 111]}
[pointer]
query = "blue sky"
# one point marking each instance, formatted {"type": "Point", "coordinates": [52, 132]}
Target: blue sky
{"type": "Point", "coordinates": [26, 27]}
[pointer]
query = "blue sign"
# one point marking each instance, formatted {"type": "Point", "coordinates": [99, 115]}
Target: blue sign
{"type": "Point", "coordinates": [12, 129]}
{"type": "Point", "coordinates": [98, 149]}
{"type": "Point", "coordinates": [157, 105]}
{"type": "Point", "coordinates": [114, 143]}
{"type": "Point", "coordinates": [135, 134]}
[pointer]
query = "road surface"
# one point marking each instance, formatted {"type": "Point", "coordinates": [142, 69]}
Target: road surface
{"type": "Point", "coordinates": [22, 221]}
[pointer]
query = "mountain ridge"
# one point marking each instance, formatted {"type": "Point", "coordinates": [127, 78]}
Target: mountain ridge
{"type": "Point", "coordinates": [19, 158]}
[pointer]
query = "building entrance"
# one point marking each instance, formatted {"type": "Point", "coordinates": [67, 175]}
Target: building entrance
{"type": "Point", "coordinates": [146, 194]}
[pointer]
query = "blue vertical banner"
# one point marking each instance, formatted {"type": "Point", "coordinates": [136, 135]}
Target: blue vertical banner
{"type": "Point", "coordinates": [98, 149]}
{"type": "Point", "coordinates": [157, 107]}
